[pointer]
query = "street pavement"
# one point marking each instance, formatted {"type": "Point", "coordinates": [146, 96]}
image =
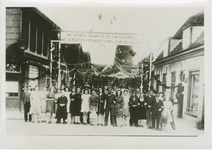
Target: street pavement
{"type": "Point", "coordinates": [19, 134]}
{"type": "Point", "coordinates": [20, 127]}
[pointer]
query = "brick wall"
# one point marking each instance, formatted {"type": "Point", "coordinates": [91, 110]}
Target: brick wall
{"type": "Point", "coordinates": [13, 25]}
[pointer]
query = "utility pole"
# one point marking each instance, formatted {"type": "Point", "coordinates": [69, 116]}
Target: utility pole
{"type": "Point", "coordinates": [59, 70]}
{"type": "Point", "coordinates": [50, 65]}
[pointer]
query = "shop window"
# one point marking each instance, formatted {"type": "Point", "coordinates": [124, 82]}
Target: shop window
{"type": "Point", "coordinates": [193, 95]}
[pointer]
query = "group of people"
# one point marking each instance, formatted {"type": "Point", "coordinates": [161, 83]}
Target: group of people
{"type": "Point", "coordinates": [95, 107]}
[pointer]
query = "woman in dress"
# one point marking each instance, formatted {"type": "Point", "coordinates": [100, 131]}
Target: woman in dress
{"type": "Point", "coordinates": [101, 107]}
{"type": "Point", "coordinates": [56, 96]}
{"type": "Point", "coordinates": [141, 111]}
{"type": "Point", "coordinates": [133, 103]}
{"type": "Point", "coordinates": [126, 111]}
{"type": "Point", "coordinates": [166, 114]}
{"type": "Point", "coordinates": [71, 108]}
{"type": "Point", "coordinates": [50, 104]}
{"type": "Point", "coordinates": [76, 106]}
{"type": "Point", "coordinates": [119, 104]}
{"type": "Point", "coordinates": [35, 109]}
{"type": "Point", "coordinates": [62, 108]}
{"type": "Point", "coordinates": [85, 105]}
{"type": "Point", "coordinates": [43, 104]}
{"type": "Point", "coordinates": [67, 94]}
{"type": "Point", "coordinates": [93, 107]}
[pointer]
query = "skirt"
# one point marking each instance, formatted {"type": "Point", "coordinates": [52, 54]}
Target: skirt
{"type": "Point", "coordinates": [126, 111]}
{"type": "Point", "coordinates": [50, 106]}
{"type": "Point", "coordinates": [118, 111]}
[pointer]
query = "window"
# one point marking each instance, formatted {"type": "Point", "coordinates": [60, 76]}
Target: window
{"type": "Point", "coordinates": [173, 90]}
{"type": "Point", "coordinates": [39, 41]}
{"type": "Point", "coordinates": [33, 37]}
{"type": "Point", "coordinates": [193, 95]}
{"type": "Point", "coordinates": [182, 76]}
{"type": "Point", "coordinates": [164, 82]}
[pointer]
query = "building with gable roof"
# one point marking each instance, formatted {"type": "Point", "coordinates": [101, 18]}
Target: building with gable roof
{"type": "Point", "coordinates": [179, 69]}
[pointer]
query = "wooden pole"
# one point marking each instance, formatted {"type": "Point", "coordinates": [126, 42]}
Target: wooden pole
{"type": "Point", "coordinates": [59, 70]}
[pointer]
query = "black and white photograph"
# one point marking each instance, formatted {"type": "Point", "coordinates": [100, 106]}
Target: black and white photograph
{"type": "Point", "coordinates": [105, 75]}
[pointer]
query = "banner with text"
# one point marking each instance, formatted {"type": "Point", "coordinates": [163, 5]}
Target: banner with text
{"type": "Point", "coordinates": [101, 38]}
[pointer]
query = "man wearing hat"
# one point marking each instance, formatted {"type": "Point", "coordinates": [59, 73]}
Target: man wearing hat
{"type": "Point", "coordinates": [157, 108]}
{"type": "Point", "coordinates": [26, 102]}
{"type": "Point", "coordinates": [110, 102]}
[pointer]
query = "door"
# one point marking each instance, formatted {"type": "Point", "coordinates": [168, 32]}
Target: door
{"type": "Point", "coordinates": [12, 94]}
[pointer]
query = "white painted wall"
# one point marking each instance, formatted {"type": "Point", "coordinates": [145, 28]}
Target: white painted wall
{"type": "Point", "coordinates": [186, 66]}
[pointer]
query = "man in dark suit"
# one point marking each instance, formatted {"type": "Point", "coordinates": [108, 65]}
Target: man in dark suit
{"type": "Point", "coordinates": [133, 103]}
{"type": "Point", "coordinates": [110, 102]}
{"type": "Point", "coordinates": [26, 102]}
{"type": "Point", "coordinates": [157, 108]}
{"type": "Point", "coordinates": [149, 99]}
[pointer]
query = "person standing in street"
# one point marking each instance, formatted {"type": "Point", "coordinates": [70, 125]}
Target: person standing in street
{"type": "Point", "coordinates": [157, 108]}
{"type": "Point", "coordinates": [166, 114]}
{"type": "Point", "coordinates": [76, 106]}
{"type": "Point", "coordinates": [93, 99]}
{"type": "Point", "coordinates": [133, 103]}
{"type": "Point", "coordinates": [110, 102]}
{"type": "Point", "coordinates": [149, 99]}
{"type": "Point", "coordinates": [35, 110]}
{"type": "Point", "coordinates": [67, 94]}
{"type": "Point", "coordinates": [101, 107]}
{"type": "Point", "coordinates": [71, 108]}
{"type": "Point", "coordinates": [141, 110]}
{"type": "Point", "coordinates": [43, 104]}
{"type": "Point", "coordinates": [26, 102]}
{"type": "Point", "coordinates": [119, 108]}
{"type": "Point", "coordinates": [50, 104]}
{"type": "Point", "coordinates": [126, 111]}
{"type": "Point", "coordinates": [62, 108]}
{"type": "Point", "coordinates": [85, 105]}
